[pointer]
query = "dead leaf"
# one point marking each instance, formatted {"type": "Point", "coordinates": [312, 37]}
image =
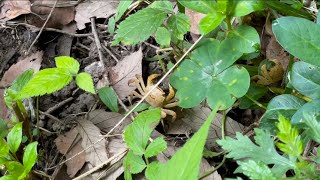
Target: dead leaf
{"type": "Point", "coordinates": [124, 71]}
{"type": "Point", "coordinates": [271, 75]}
{"type": "Point", "coordinates": [195, 118]}
{"type": "Point", "coordinates": [90, 134]}
{"type": "Point", "coordinates": [10, 9]}
{"type": "Point", "coordinates": [178, 127]}
{"type": "Point", "coordinates": [205, 167]}
{"type": "Point", "coordinates": [105, 121]}
{"type": "Point", "coordinates": [24, 63]}
{"type": "Point", "coordinates": [195, 18]}
{"type": "Point", "coordinates": [99, 9]}
{"type": "Point", "coordinates": [275, 52]}
{"type": "Point", "coordinates": [64, 143]}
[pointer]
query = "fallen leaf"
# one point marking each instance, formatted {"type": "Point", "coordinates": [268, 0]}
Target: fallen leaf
{"type": "Point", "coordinates": [275, 52]}
{"type": "Point", "coordinates": [271, 75]}
{"type": "Point", "coordinates": [195, 117]}
{"type": "Point", "coordinates": [124, 71]}
{"type": "Point", "coordinates": [98, 9]}
{"type": "Point", "coordinates": [105, 121]}
{"type": "Point", "coordinates": [23, 63]}
{"type": "Point", "coordinates": [64, 143]}
{"type": "Point", "coordinates": [10, 9]}
{"type": "Point", "coordinates": [195, 18]}
{"type": "Point", "coordinates": [205, 167]}
{"type": "Point", "coordinates": [90, 134]}
{"type": "Point", "coordinates": [178, 127]}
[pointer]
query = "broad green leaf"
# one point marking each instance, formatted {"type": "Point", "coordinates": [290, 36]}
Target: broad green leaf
{"type": "Point", "coordinates": [121, 9]}
{"type": "Point", "coordinates": [163, 5]}
{"type": "Point", "coordinates": [30, 156]}
{"type": "Point", "coordinates": [202, 6]}
{"type": "Point", "coordinates": [141, 107]}
{"type": "Point", "coordinates": [209, 74]}
{"type": "Point", "coordinates": [109, 97]}
{"type": "Point", "coordinates": [286, 9]}
{"type": "Point", "coordinates": [289, 137]}
{"type": "Point", "coordinates": [262, 150]}
{"type": "Point", "coordinates": [299, 37]}
{"type": "Point", "coordinates": [255, 92]}
{"type": "Point", "coordinates": [139, 26]}
{"type": "Point", "coordinates": [8, 177]}
{"type": "Point", "coordinates": [318, 18]}
{"type": "Point", "coordinates": [156, 147]}
{"type": "Point", "coordinates": [134, 163]}
{"type": "Point", "coordinates": [245, 7]}
{"type": "Point", "coordinates": [285, 104]}
{"type": "Point", "coordinates": [153, 169]}
{"type": "Point", "coordinates": [3, 128]}
{"type": "Point", "coordinates": [185, 164]}
{"type": "Point", "coordinates": [4, 148]}
{"type": "Point", "coordinates": [210, 22]}
{"type": "Point", "coordinates": [14, 168]}
{"type": "Point", "coordinates": [14, 137]}
{"type": "Point", "coordinates": [112, 24]}
{"type": "Point", "coordinates": [84, 81]}
{"type": "Point", "coordinates": [313, 127]}
{"type": "Point", "coordinates": [163, 37]}
{"type": "Point", "coordinates": [69, 63]}
{"type": "Point", "coordinates": [178, 25]}
{"type": "Point", "coordinates": [256, 170]}
{"type": "Point", "coordinates": [311, 108]}
{"type": "Point", "coordinates": [305, 78]}
{"type": "Point", "coordinates": [138, 132]}
{"type": "Point", "coordinates": [46, 81]}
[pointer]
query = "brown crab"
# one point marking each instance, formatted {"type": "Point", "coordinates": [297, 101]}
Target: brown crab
{"type": "Point", "coordinates": [157, 97]}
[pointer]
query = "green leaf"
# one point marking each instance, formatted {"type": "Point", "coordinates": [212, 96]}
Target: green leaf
{"type": "Point", "coordinates": [121, 9]}
{"type": "Point", "coordinates": [141, 107]}
{"type": "Point", "coordinates": [68, 63]}
{"type": "Point", "coordinates": [311, 108]}
{"type": "Point", "coordinates": [318, 18]}
{"type": "Point", "coordinates": [3, 128]}
{"type": "Point", "coordinates": [14, 138]}
{"type": "Point", "coordinates": [8, 177]}
{"type": "Point", "coordinates": [299, 37]}
{"type": "Point", "coordinates": [153, 169]}
{"type": "Point", "coordinates": [139, 26]}
{"type": "Point", "coordinates": [4, 148]}
{"type": "Point", "coordinates": [202, 6]}
{"type": "Point", "coordinates": [305, 78]}
{"type": "Point", "coordinates": [138, 132]}
{"type": "Point", "coordinates": [256, 92]}
{"type": "Point", "coordinates": [163, 5]}
{"type": "Point", "coordinates": [84, 81]}
{"type": "Point", "coordinates": [256, 170]}
{"type": "Point", "coordinates": [264, 151]}
{"type": "Point", "coordinates": [245, 7]}
{"type": "Point", "coordinates": [208, 73]}
{"type": "Point", "coordinates": [134, 163]}
{"type": "Point", "coordinates": [15, 168]}
{"type": "Point", "coordinates": [289, 137]}
{"type": "Point", "coordinates": [155, 147]}
{"type": "Point", "coordinates": [210, 22]}
{"type": "Point", "coordinates": [178, 25]}
{"type": "Point", "coordinates": [112, 24]}
{"type": "Point", "coordinates": [46, 81]}
{"type": "Point", "coordinates": [30, 156]}
{"type": "Point", "coordinates": [185, 164]}
{"type": "Point", "coordinates": [313, 127]}
{"type": "Point", "coordinates": [163, 37]}
{"type": "Point", "coordinates": [109, 97]}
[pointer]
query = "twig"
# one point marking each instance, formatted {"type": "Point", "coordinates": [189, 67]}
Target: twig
{"type": "Point", "coordinates": [51, 117]}
{"type": "Point", "coordinates": [96, 39]}
{"type": "Point", "coordinates": [57, 106]}
{"type": "Point", "coordinates": [110, 53]}
{"type": "Point", "coordinates": [36, 39]}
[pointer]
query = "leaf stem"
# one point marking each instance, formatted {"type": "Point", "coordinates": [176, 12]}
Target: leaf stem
{"type": "Point", "coordinates": [256, 102]}
{"type": "Point", "coordinates": [214, 169]}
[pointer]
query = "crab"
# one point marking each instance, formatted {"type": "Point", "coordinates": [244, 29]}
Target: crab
{"type": "Point", "coordinates": [157, 97]}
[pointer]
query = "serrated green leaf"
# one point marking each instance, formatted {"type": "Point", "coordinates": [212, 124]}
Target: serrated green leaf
{"type": "Point", "coordinates": [46, 81]}
{"type": "Point", "coordinates": [14, 138]}
{"type": "Point", "coordinates": [163, 37]}
{"type": "Point", "coordinates": [208, 73]}
{"type": "Point", "coordinates": [256, 170]}
{"type": "Point", "coordinates": [121, 9]}
{"type": "Point", "coordinates": [85, 82]}
{"type": "Point", "coordinates": [178, 25]}
{"type": "Point", "coordinates": [109, 97]}
{"type": "Point", "coordinates": [139, 26]}
{"type": "Point", "coordinates": [210, 22]}
{"type": "Point", "coordinates": [202, 6]}
{"type": "Point", "coordinates": [299, 37]}
{"type": "Point", "coordinates": [138, 132]}
{"type": "Point", "coordinates": [134, 163]}
{"type": "Point", "coordinates": [264, 151]}
{"type": "Point", "coordinates": [68, 63]}
{"type": "Point", "coordinates": [153, 169]}
{"type": "Point", "coordinates": [156, 147]}
{"type": "Point", "coordinates": [30, 156]}
{"type": "Point", "coordinates": [289, 137]}
{"type": "Point", "coordinates": [313, 127]}
{"type": "Point", "coordinates": [163, 5]}
{"type": "Point", "coordinates": [14, 168]}
{"type": "Point", "coordinates": [305, 78]}
{"type": "Point", "coordinates": [4, 148]}
{"type": "Point", "coordinates": [185, 164]}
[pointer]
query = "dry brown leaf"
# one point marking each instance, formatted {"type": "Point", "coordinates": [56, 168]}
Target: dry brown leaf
{"type": "Point", "coordinates": [10, 9]}
{"type": "Point", "coordinates": [270, 76]}
{"type": "Point", "coordinates": [205, 167]}
{"type": "Point", "coordinates": [178, 127]}
{"type": "Point", "coordinates": [195, 118]}
{"type": "Point", "coordinates": [99, 9]}
{"type": "Point", "coordinates": [90, 134]}
{"type": "Point", "coordinates": [195, 18]}
{"type": "Point", "coordinates": [63, 143]}
{"type": "Point", "coordinates": [24, 63]}
{"type": "Point", "coordinates": [124, 71]}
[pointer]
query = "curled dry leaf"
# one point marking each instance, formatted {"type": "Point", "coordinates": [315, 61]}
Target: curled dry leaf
{"type": "Point", "coordinates": [69, 145]}
{"type": "Point", "coordinates": [99, 9]}
{"type": "Point", "coordinates": [124, 71]}
{"type": "Point", "coordinates": [195, 18]}
{"type": "Point", "coordinates": [10, 9]}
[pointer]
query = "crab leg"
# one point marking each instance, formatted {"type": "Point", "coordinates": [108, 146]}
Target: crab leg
{"type": "Point", "coordinates": [151, 77]}
{"type": "Point", "coordinates": [133, 96]}
{"type": "Point", "coordinates": [170, 95]}
{"type": "Point", "coordinates": [170, 112]}
{"type": "Point", "coordinates": [171, 105]}
{"type": "Point", "coordinates": [137, 84]}
{"type": "Point", "coordinates": [141, 82]}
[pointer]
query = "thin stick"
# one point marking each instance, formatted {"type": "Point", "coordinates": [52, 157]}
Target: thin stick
{"type": "Point", "coordinates": [96, 39]}
{"type": "Point", "coordinates": [36, 39]}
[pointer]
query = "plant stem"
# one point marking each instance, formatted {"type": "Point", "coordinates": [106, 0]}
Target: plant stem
{"type": "Point", "coordinates": [214, 169]}
{"type": "Point", "coordinates": [256, 102]}
{"type": "Point", "coordinates": [22, 118]}
{"type": "Point", "coordinates": [223, 124]}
